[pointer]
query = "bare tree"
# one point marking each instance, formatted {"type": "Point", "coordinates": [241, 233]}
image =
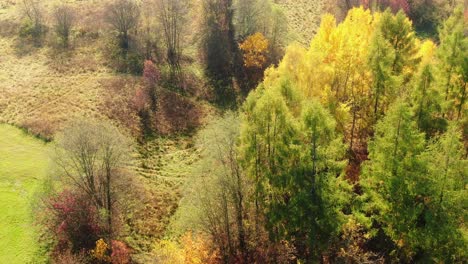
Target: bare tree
{"type": "Point", "coordinates": [64, 20]}
{"type": "Point", "coordinates": [172, 17]}
{"type": "Point", "coordinates": [91, 156]}
{"type": "Point", "coordinates": [34, 14]}
{"type": "Point", "coordinates": [223, 190]}
{"type": "Point", "coordinates": [123, 16]}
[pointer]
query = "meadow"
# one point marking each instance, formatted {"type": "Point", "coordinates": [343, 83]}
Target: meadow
{"type": "Point", "coordinates": [23, 167]}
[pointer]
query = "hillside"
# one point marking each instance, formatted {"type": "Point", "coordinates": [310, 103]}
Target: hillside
{"type": "Point", "coordinates": [42, 88]}
{"type": "Point", "coordinates": [233, 131]}
{"type": "Point", "coordinates": [303, 18]}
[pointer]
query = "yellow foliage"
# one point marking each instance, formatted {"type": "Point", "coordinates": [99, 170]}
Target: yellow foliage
{"type": "Point", "coordinates": [100, 251]}
{"type": "Point", "coordinates": [192, 249]}
{"type": "Point", "coordinates": [197, 250]}
{"type": "Point", "coordinates": [255, 49]}
{"type": "Point", "coordinates": [168, 251]}
{"type": "Point", "coordinates": [427, 51]}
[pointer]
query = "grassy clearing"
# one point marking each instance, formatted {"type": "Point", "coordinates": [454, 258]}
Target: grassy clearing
{"type": "Point", "coordinates": [23, 166]}
{"type": "Point", "coordinates": [162, 166]}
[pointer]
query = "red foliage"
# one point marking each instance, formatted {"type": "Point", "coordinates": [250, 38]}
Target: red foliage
{"type": "Point", "coordinates": [75, 223]}
{"type": "Point", "coordinates": [120, 252]}
{"type": "Point", "coordinates": [141, 99]}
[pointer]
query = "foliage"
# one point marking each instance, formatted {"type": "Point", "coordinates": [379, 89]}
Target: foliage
{"type": "Point", "coordinates": [404, 194]}
{"type": "Point", "coordinates": [426, 97]}
{"type": "Point", "coordinates": [75, 222]}
{"type": "Point", "coordinates": [64, 22]}
{"type": "Point", "coordinates": [100, 251]}
{"type": "Point", "coordinates": [192, 249]}
{"type": "Point", "coordinates": [255, 48]}
{"type": "Point", "coordinates": [293, 156]}
{"type": "Point", "coordinates": [91, 157]}
{"type": "Point", "coordinates": [33, 25]}
{"type": "Point", "coordinates": [120, 252]}
{"type": "Point", "coordinates": [452, 54]}
{"type": "Point", "coordinates": [218, 47]}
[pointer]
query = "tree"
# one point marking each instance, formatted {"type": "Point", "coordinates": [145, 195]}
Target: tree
{"type": "Point", "coordinates": [152, 77]}
{"type": "Point", "coordinates": [64, 20]}
{"type": "Point", "coordinates": [218, 47]}
{"type": "Point", "coordinates": [394, 178]}
{"type": "Point", "coordinates": [292, 154]}
{"type": "Point", "coordinates": [381, 57]}
{"type": "Point", "coordinates": [223, 188]}
{"type": "Point", "coordinates": [172, 18]}
{"type": "Point", "coordinates": [255, 48]}
{"type": "Point", "coordinates": [123, 16]}
{"type": "Point", "coordinates": [34, 24]}
{"type": "Point", "coordinates": [255, 51]}
{"type": "Point", "coordinates": [247, 17]}
{"type": "Point", "coordinates": [453, 68]}
{"type": "Point", "coordinates": [426, 98]}
{"type": "Point", "coordinates": [398, 31]}
{"type": "Point", "coordinates": [91, 156]}
{"type": "Point", "coordinates": [441, 236]}
{"type": "Point", "coordinates": [74, 221]}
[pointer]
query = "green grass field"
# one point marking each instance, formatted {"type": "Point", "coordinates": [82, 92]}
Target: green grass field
{"type": "Point", "coordinates": [23, 165]}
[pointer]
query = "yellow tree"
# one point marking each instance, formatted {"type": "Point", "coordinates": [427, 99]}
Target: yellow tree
{"type": "Point", "coordinates": [255, 49]}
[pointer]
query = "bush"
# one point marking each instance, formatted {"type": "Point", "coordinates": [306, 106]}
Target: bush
{"type": "Point", "coordinates": [120, 252]}
{"type": "Point", "coordinates": [75, 222]}
{"type": "Point", "coordinates": [30, 30]}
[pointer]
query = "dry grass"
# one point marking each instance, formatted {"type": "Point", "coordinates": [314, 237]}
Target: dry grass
{"type": "Point", "coordinates": [303, 17]}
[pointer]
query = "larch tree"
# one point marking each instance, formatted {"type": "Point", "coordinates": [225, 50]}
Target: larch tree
{"type": "Point", "coordinates": [398, 31]}
{"type": "Point", "coordinates": [453, 69]}
{"type": "Point", "coordinates": [440, 233]}
{"type": "Point", "coordinates": [425, 95]}
{"type": "Point", "coordinates": [381, 57]}
{"type": "Point", "coordinates": [394, 178]}
{"type": "Point", "coordinates": [291, 152]}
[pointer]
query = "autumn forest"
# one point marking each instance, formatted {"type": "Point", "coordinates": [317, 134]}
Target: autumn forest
{"type": "Point", "coordinates": [233, 131]}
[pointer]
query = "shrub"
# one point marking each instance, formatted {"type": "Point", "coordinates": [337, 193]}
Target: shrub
{"type": "Point", "coordinates": [120, 252]}
{"type": "Point", "coordinates": [33, 23]}
{"type": "Point", "coordinates": [100, 252]}
{"type": "Point", "coordinates": [64, 20]}
{"type": "Point", "coordinates": [75, 222]}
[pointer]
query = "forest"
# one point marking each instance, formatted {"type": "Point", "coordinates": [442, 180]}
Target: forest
{"type": "Point", "coordinates": [233, 131]}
